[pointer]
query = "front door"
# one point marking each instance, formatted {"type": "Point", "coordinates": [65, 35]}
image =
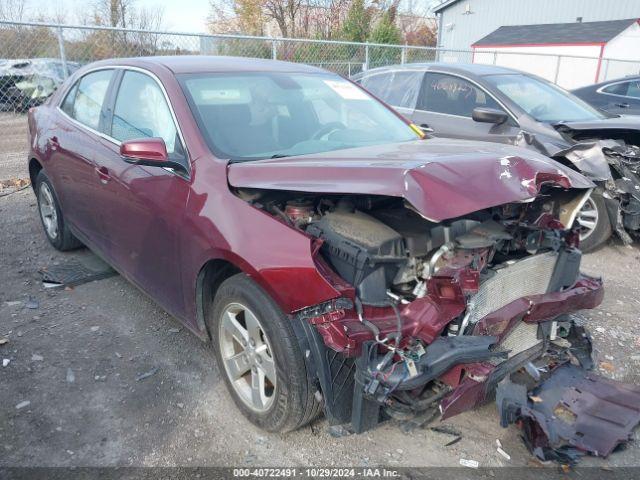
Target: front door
{"type": "Point", "coordinates": [446, 103]}
{"type": "Point", "coordinates": [146, 205]}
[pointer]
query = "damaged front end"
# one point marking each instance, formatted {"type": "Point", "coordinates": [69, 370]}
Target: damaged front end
{"type": "Point", "coordinates": [30, 82]}
{"type": "Point", "coordinates": [436, 310]}
{"type": "Point", "coordinates": [612, 160]}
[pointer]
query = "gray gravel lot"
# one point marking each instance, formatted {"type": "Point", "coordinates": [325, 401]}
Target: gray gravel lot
{"type": "Point", "coordinates": [76, 357]}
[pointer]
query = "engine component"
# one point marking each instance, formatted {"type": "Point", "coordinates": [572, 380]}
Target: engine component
{"type": "Point", "coordinates": [299, 211]}
{"type": "Point", "coordinates": [364, 251]}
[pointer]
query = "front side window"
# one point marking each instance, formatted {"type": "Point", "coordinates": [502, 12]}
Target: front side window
{"type": "Point", "coordinates": [141, 111]}
{"type": "Point", "coordinates": [250, 116]}
{"type": "Point", "coordinates": [542, 100]}
{"type": "Point", "coordinates": [443, 93]}
{"type": "Point", "coordinates": [88, 97]}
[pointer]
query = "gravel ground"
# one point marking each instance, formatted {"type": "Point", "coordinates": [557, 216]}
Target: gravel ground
{"type": "Point", "coordinates": [13, 144]}
{"type": "Point", "coordinates": [70, 395]}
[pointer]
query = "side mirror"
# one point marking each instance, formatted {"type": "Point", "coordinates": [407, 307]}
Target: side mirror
{"type": "Point", "coordinates": [151, 152]}
{"type": "Point", "coordinates": [489, 115]}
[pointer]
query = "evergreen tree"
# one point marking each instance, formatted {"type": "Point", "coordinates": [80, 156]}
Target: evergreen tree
{"type": "Point", "coordinates": [358, 22]}
{"type": "Point", "coordinates": [386, 30]}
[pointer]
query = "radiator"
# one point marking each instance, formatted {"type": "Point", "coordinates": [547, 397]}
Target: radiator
{"type": "Point", "coordinates": [513, 280]}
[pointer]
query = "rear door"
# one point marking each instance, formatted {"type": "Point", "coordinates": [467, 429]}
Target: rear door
{"type": "Point", "coordinates": [446, 103]}
{"type": "Point", "coordinates": [145, 205]}
{"type": "Point", "coordinates": [622, 98]}
{"type": "Point", "coordinates": [76, 144]}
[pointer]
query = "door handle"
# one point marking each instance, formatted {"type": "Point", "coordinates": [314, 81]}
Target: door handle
{"type": "Point", "coordinates": [426, 128]}
{"type": "Point", "coordinates": [103, 174]}
{"type": "Point", "coordinates": [622, 105]}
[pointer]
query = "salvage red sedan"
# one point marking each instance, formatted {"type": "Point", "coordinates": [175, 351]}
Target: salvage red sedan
{"type": "Point", "coordinates": [335, 259]}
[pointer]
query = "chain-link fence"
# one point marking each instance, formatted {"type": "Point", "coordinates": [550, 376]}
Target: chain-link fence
{"type": "Point", "coordinates": [36, 57]}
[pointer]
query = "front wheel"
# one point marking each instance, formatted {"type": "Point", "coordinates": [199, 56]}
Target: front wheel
{"type": "Point", "coordinates": [593, 222]}
{"type": "Point", "coordinates": [259, 357]}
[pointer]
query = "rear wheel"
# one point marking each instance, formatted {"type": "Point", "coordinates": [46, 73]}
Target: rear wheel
{"type": "Point", "coordinates": [55, 227]}
{"type": "Point", "coordinates": [593, 222]}
{"type": "Point", "coordinates": [260, 358]}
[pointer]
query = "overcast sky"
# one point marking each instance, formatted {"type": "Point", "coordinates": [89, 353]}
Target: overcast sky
{"type": "Point", "coordinates": [179, 15]}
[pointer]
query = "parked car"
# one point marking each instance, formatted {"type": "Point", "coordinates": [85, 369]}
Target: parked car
{"type": "Point", "coordinates": [486, 102]}
{"type": "Point", "coordinates": [620, 96]}
{"type": "Point", "coordinates": [335, 260]}
{"type": "Point", "coordinates": [26, 83]}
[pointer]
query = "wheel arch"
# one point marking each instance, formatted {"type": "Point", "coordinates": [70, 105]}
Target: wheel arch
{"type": "Point", "coordinates": [35, 166]}
{"type": "Point", "coordinates": [210, 277]}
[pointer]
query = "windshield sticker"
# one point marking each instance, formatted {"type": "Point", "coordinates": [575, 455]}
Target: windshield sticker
{"type": "Point", "coordinates": [346, 90]}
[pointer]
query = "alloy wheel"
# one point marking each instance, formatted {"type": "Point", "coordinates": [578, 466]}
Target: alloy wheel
{"type": "Point", "coordinates": [48, 212]}
{"type": "Point", "coordinates": [247, 357]}
{"type": "Point", "coordinates": [587, 219]}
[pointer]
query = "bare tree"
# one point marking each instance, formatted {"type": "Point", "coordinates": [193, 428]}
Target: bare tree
{"type": "Point", "coordinates": [14, 10]}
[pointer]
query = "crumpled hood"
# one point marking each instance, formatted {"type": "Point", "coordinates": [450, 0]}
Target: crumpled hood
{"type": "Point", "coordinates": [440, 178]}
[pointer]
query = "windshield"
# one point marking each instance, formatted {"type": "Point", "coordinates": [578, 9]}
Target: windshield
{"type": "Point", "coordinates": [542, 100]}
{"type": "Point", "coordinates": [249, 116]}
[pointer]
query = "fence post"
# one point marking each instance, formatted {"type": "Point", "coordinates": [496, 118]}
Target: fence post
{"type": "Point", "coordinates": [555, 77]}
{"type": "Point", "coordinates": [366, 57]}
{"type": "Point", "coordinates": [403, 55]}
{"type": "Point", "coordinates": [63, 55]}
{"type": "Point", "coordinates": [495, 57]}
{"type": "Point", "coordinates": [274, 50]}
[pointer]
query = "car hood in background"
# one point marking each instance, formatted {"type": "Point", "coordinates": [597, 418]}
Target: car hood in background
{"type": "Point", "coordinates": [440, 178]}
{"type": "Point", "coordinates": [625, 122]}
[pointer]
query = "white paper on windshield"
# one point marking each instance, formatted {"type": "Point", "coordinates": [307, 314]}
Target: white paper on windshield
{"type": "Point", "coordinates": [346, 90]}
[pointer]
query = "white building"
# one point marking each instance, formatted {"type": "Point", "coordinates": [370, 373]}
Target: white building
{"type": "Point", "coordinates": [601, 41]}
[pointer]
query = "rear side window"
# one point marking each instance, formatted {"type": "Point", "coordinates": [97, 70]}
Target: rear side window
{"type": "Point", "coordinates": [626, 89]}
{"type": "Point", "coordinates": [141, 110]}
{"type": "Point", "coordinates": [452, 95]}
{"type": "Point", "coordinates": [378, 84]}
{"type": "Point", "coordinates": [84, 101]}
{"type": "Point", "coordinates": [404, 89]}
{"type": "Point", "coordinates": [616, 88]}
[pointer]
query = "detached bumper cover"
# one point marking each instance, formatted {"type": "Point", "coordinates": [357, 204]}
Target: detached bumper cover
{"type": "Point", "coordinates": [574, 412]}
{"type": "Point", "coordinates": [482, 378]}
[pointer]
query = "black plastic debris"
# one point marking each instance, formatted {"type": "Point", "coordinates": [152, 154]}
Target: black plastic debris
{"type": "Point", "coordinates": [76, 272]}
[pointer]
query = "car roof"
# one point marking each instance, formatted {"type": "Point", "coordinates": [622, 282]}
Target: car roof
{"type": "Point", "coordinates": [477, 69]}
{"type": "Point", "coordinates": [207, 63]}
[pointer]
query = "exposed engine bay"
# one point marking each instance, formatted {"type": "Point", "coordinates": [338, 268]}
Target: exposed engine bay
{"type": "Point", "coordinates": [434, 315]}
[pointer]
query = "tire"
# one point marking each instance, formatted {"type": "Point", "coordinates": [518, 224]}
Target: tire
{"type": "Point", "coordinates": [289, 402]}
{"type": "Point", "coordinates": [602, 231]}
{"type": "Point", "coordinates": [51, 216]}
